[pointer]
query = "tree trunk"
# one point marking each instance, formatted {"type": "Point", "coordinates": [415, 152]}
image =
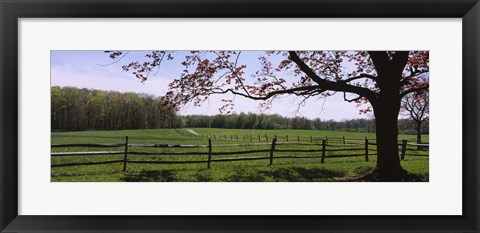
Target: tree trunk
{"type": "Point", "coordinates": [386, 107]}
{"type": "Point", "coordinates": [388, 161]}
{"type": "Point", "coordinates": [419, 134]}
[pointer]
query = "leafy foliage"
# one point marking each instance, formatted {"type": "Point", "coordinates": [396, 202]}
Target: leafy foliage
{"type": "Point", "coordinates": [81, 109]}
{"type": "Point", "coordinates": [302, 73]}
{"type": "Point", "coordinates": [380, 78]}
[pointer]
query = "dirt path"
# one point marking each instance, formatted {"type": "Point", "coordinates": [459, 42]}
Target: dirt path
{"type": "Point", "coordinates": [192, 132]}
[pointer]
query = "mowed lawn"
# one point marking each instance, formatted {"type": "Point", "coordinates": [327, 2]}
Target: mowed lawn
{"type": "Point", "coordinates": [282, 170]}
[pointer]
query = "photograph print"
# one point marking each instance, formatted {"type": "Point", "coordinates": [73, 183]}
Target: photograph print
{"type": "Point", "coordinates": [239, 116]}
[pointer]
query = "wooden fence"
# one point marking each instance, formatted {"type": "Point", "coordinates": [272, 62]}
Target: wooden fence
{"type": "Point", "coordinates": [320, 153]}
{"type": "Point", "coordinates": [284, 138]}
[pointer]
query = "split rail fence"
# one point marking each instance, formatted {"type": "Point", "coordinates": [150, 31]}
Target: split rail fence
{"type": "Point", "coordinates": [283, 138]}
{"type": "Point", "coordinates": [319, 152]}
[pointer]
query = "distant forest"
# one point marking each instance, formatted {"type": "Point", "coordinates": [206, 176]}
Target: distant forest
{"type": "Point", "coordinates": [74, 109]}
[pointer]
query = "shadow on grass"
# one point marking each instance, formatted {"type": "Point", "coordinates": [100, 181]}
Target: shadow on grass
{"type": "Point", "coordinates": [292, 174]}
{"type": "Point", "coordinates": [151, 176]}
{"type": "Point", "coordinates": [244, 175]}
{"type": "Point", "coordinates": [363, 169]}
{"type": "Point", "coordinates": [203, 177]}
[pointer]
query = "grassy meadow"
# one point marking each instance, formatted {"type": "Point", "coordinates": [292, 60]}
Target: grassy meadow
{"type": "Point", "coordinates": [282, 170]}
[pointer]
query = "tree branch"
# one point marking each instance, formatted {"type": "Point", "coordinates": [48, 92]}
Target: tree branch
{"type": "Point", "coordinates": [406, 80]}
{"type": "Point", "coordinates": [270, 94]}
{"type": "Point", "coordinates": [380, 60]}
{"type": "Point", "coordinates": [160, 63]}
{"type": "Point", "coordinates": [239, 79]}
{"type": "Point", "coordinates": [416, 89]}
{"type": "Point", "coordinates": [374, 78]}
{"type": "Point", "coordinates": [115, 61]}
{"type": "Point", "coordinates": [329, 85]}
{"type": "Point", "coordinates": [400, 59]}
{"type": "Point", "coordinates": [351, 100]}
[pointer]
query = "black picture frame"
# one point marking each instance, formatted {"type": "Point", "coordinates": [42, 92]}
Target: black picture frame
{"type": "Point", "coordinates": [11, 11]}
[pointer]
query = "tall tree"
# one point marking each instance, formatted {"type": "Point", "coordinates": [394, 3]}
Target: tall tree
{"type": "Point", "coordinates": [81, 109]}
{"type": "Point", "coordinates": [379, 79]}
{"type": "Point", "coordinates": [416, 106]}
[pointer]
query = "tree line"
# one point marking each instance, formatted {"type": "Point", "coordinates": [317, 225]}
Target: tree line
{"type": "Point", "coordinates": [86, 109]}
{"type": "Point", "coordinates": [275, 121]}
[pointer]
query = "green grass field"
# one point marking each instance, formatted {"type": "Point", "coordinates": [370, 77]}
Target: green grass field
{"type": "Point", "coordinates": [285, 169]}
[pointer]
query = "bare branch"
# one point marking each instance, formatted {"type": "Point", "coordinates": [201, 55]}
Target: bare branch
{"type": "Point", "coordinates": [160, 63]}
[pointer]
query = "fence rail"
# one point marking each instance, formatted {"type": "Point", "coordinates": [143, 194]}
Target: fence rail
{"type": "Point", "coordinates": [83, 153]}
{"type": "Point", "coordinates": [267, 138]}
{"type": "Point", "coordinates": [364, 151]}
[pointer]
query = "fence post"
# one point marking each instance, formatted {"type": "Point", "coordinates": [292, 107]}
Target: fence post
{"type": "Point", "coordinates": [236, 137]}
{"type": "Point", "coordinates": [209, 152]}
{"type": "Point", "coordinates": [251, 138]}
{"type": "Point", "coordinates": [259, 138]}
{"type": "Point", "coordinates": [298, 137]}
{"type": "Point", "coordinates": [272, 149]}
{"type": "Point", "coordinates": [366, 149]}
{"type": "Point", "coordinates": [311, 139]}
{"type": "Point", "coordinates": [231, 138]}
{"type": "Point", "coordinates": [326, 139]}
{"type": "Point", "coordinates": [266, 138]}
{"type": "Point", "coordinates": [404, 148]}
{"type": "Point", "coordinates": [215, 137]}
{"type": "Point", "coordinates": [287, 137]}
{"type": "Point", "coordinates": [126, 154]}
{"type": "Point", "coordinates": [343, 140]}
{"type": "Point", "coordinates": [324, 142]}
{"type": "Point", "coordinates": [243, 137]}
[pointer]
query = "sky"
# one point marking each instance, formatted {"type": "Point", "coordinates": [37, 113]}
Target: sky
{"type": "Point", "coordinates": [95, 70]}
